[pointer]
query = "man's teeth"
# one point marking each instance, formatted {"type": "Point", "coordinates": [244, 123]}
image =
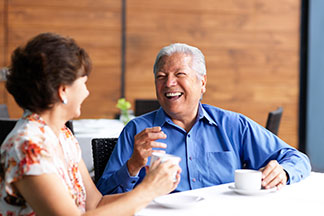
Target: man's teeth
{"type": "Point", "coordinates": [173, 94]}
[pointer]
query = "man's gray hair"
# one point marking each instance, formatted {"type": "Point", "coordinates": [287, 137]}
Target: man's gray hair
{"type": "Point", "coordinates": [198, 59]}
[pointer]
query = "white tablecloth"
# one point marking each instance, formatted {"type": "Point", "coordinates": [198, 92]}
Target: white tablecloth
{"type": "Point", "coordinates": [303, 198]}
{"type": "Point", "coordinates": [87, 129]}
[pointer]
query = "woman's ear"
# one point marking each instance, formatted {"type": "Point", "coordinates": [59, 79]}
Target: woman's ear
{"type": "Point", "coordinates": [62, 93]}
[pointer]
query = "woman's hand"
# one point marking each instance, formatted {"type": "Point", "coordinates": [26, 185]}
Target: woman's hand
{"type": "Point", "coordinates": [159, 179]}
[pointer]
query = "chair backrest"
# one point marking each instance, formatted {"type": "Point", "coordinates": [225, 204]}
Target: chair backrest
{"type": "Point", "coordinates": [69, 124]}
{"type": "Point", "coordinates": [6, 125]}
{"type": "Point", "coordinates": [273, 121]}
{"type": "Point", "coordinates": [101, 151]}
{"type": "Point", "coordinates": [143, 106]}
{"type": "Point", "coordinates": [4, 111]}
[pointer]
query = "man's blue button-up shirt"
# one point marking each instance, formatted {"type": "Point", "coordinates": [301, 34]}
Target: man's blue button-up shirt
{"type": "Point", "coordinates": [218, 143]}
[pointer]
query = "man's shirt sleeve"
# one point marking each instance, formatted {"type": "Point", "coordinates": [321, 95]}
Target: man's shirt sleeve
{"type": "Point", "coordinates": [118, 182]}
{"type": "Point", "coordinates": [116, 178]}
{"type": "Point", "coordinates": [261, 146]}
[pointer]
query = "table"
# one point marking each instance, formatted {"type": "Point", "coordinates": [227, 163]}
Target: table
{"type": "Point", "coordinates": [87, 129]}
{"type": "Point", "coordinates": [303, 198]}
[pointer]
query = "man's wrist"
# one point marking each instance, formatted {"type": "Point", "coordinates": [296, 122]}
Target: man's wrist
{"type": "Point", "coordinates": [132, 170]}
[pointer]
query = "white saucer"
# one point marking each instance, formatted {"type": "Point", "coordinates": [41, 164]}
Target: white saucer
{"type": "Point", "coordinates": [252, 192]}
{"type": "Point", "coordinates": [177, 201]}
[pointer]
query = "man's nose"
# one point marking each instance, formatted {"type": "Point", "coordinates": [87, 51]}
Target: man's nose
{"type": "Point", "coordinates": [171, 81]}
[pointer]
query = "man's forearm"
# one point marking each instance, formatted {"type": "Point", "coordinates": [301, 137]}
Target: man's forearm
{"type": "Point", "coordinates": [133, 169]}
{"type": "Point", "coordinates": [118, 182]}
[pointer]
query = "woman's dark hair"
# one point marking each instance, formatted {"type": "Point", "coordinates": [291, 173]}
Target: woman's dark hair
{"type": "Point", "coordinates": [39, 68]}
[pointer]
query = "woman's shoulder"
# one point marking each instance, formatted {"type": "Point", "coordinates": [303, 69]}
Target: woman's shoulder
{"type": "Point", "coordinates": [24, 132]}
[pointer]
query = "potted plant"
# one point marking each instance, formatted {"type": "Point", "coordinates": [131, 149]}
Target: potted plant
{"type": "Point", "coordinates": [125, 112]}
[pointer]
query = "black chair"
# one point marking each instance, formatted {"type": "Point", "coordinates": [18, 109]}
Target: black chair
{"type": "Point", "coordinates": [6, 125]}
{"type": "Point", "coordinates": [143, 106]}
{"type": "Point", "coordinates": [4, 111]}
{"type": "Point", "coordinates": [69, 124]}
{"type": "Point", "coordinates": [101, 151]}
{"type": "Point", "coordinates": [273, 121]}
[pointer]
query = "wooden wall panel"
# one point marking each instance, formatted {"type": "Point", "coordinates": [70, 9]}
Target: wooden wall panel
{"type": "Point", "coordinates": [251, 49]}
{"type": "Point", "coordinates": [94, 25]}
{"type": "Point", "coordinates": [2, 47]}
{"type": "Point", "coordinates": [2, 34]}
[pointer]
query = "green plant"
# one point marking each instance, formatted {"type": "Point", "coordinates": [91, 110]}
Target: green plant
{"type": "Point", "coordinates": [124, 107]}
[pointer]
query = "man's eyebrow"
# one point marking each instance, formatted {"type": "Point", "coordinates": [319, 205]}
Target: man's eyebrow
{"type": "Point", "coordinates": [179, 69]}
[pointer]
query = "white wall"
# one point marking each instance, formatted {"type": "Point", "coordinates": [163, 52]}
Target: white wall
{"type": "Point", "coordinates": [315, 91]}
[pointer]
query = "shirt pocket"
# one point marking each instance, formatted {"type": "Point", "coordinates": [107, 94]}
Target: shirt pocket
{"type": "Point", "coordinates": [221, 167]}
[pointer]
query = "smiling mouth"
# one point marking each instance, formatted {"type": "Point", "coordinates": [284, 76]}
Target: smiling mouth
{"type": "Point", "coordinates": [173, 95]}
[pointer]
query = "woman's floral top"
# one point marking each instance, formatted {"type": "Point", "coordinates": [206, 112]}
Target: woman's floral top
{"type": "Point", "coordinates": [32, 148]}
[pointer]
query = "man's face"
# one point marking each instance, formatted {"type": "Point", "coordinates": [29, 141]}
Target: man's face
{"type": "Point", "coordinates": [178, 87]}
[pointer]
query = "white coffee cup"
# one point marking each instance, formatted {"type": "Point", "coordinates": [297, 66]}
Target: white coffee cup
{"type": "Point", "coordinates": [248, 179]}
{"type": "Point", "coordinates": [165, 157]}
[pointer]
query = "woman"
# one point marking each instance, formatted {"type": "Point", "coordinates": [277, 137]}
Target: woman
{"type": "Point", "coordinates": [41, 159]}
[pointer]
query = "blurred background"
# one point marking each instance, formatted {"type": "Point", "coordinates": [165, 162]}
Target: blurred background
{"type": "Point", "coordinates": [257, 53]}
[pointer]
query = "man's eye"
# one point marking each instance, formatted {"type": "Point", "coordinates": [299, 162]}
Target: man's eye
{"type": "Point", "coordinates": [159, 76]}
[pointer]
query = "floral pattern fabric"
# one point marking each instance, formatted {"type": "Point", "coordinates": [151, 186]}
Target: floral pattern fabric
{"type": "Point", "coordinates": [32, 148]}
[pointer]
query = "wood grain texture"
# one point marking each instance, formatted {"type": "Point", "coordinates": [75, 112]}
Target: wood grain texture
{"type": "Point", "coordinates": [2, 32]}
{"type": "Point", "coordinates": [2, 54]}
{"type": "Point", "coordinates": [94, 25]}
{"type": "Point", "coordinates": [251, 50]}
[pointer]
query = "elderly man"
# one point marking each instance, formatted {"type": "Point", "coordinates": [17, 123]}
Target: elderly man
{"type": "Point", "coordinates": [211, 142]}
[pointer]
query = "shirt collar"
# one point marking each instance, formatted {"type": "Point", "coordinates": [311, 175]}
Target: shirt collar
{"type": "Point", "coordinates": [203, 114]}
{"type": "Point", "coordinates": [161, 117]}
{"type": "Point", "coordinates": [33, 117]}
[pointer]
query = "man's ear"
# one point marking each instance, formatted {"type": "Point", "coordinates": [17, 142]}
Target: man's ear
{"type": "Point", "coordinates": [203, 84]}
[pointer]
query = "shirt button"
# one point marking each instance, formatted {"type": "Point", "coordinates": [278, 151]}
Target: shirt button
{"type": "Point", "coordinates": [194, 180]}
{"type": "Point", "coordinates": [133, 182]}
{"type": "Point", "coordinates": [190, 158]}
{"type": "Point", "coordinates": [188, 135]}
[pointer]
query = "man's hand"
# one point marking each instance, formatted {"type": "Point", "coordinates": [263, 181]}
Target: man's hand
{"type": "Point", "coordinates": [273, 175]}
{"type": "Point", "coordinates": [143, 144]}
